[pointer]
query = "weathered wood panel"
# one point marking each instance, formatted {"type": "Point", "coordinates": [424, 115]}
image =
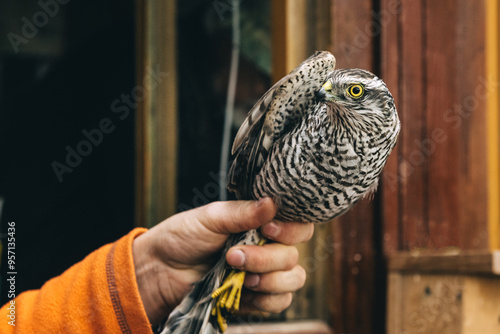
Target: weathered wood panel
{"type": "Point", "coordinates": [390, 184]}
{"type": "Point", "coordinates": [441, 164]}
{"type": "Point", "coordinates": [481, 309]}
{"type": "Point", "coordinates": [412, 109]}
{"type": "Point", "coordinates": [447, 262]}
{"type": "Point", "coordinates": [473, 92]}
{"type": "Point", "coordinates": [451, 292]}
{"type": "Point", "coordinates": [433, 59]}
{"type": "Point", "coordinates": [428, 304]}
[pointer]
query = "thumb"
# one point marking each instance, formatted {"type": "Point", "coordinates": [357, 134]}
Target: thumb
{"type": "Point", "coordinates": [237, 216]}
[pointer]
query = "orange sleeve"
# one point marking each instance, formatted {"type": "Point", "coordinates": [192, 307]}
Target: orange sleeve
{"type": "Point", "coordinates": [96, 295]}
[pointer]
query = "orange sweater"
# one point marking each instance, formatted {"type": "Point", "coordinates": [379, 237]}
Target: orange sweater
{"type": "Point", "coordinates": [96, 295]}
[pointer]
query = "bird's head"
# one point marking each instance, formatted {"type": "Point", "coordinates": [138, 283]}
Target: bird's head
{"type": "Point", "coordinates": [361, 98]}
{"type": "Point", "coordinates": [356, 90]}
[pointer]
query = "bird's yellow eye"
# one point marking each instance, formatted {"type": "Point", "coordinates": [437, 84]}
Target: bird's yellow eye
{"type": "Point", "coordinates": [356, 90]}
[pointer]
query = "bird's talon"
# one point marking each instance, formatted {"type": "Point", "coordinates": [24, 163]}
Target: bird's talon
{"type": "Point", "coordinates": [221, 320]}
{"type": "Point", "coordinates": [228, 296]}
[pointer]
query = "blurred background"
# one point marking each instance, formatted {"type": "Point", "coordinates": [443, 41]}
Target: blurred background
{"type": "Point", "coordinates": [112, 114]}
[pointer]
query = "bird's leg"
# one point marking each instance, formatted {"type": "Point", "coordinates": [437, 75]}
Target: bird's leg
{"type": "Point", "coordinates": [229, 294]}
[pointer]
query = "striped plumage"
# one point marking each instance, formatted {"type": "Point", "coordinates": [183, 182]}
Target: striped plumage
{"type": "Point", "coordinates": [334, 154]}
{"type": "Point", "coordinates": [316, 143]}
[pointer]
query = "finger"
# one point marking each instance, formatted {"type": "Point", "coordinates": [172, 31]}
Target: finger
{"type": "Point", "coordinates": [261, 302]}
{"type": "Point", "coordinates": [263, 259]}
{"type": "Point", "coordinates": [277, 282]}
{"type": "Point", "coordinates": [288, 233]}
{"type": "Point", "coordinates": [237, 216]}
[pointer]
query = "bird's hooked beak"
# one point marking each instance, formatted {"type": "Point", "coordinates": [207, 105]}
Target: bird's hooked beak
{"type": "Point", "coordinates": [325, 94]}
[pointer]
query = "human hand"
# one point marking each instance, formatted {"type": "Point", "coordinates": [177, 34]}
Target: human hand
{"type": "Point", "coordinates": [176, 253]}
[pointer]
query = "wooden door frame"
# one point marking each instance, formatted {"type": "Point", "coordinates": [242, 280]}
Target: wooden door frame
{"type": "Point", "coordinates": [493, 120]}
{"type": "Point", "coordinates": [156, 113]}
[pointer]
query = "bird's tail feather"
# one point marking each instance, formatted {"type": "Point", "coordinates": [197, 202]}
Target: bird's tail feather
{"type": "Point", "coordinates": [193, 314]}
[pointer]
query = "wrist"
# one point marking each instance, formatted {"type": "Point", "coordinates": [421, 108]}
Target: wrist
{"type": "Point", "coordinates": [147, 268]}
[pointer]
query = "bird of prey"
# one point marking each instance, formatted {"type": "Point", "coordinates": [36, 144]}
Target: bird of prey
{"type": "Point", "coordinates": [316, 143]}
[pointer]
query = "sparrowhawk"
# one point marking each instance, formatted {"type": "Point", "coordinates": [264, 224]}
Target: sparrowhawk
{"type": "Point", "coordinates": [316, 143]}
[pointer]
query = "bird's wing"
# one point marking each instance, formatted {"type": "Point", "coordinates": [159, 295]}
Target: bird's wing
{"type": "Point", "coordinates": [276, 113]}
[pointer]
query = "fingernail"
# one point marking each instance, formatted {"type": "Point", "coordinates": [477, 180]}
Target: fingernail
{"type": "Point", "coordinates": [236, 258]}
{"type": "Point", "coordinates": [271, 230]}
{"type": "Point", "coordinates": [252, 280]}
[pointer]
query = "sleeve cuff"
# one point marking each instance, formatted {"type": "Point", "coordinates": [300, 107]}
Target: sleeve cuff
{"type": "Point", "coordinates": [123, 288]}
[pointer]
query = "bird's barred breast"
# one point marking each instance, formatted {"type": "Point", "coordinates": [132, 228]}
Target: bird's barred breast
{"type": "Point", "coordinates": [318, 172]}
